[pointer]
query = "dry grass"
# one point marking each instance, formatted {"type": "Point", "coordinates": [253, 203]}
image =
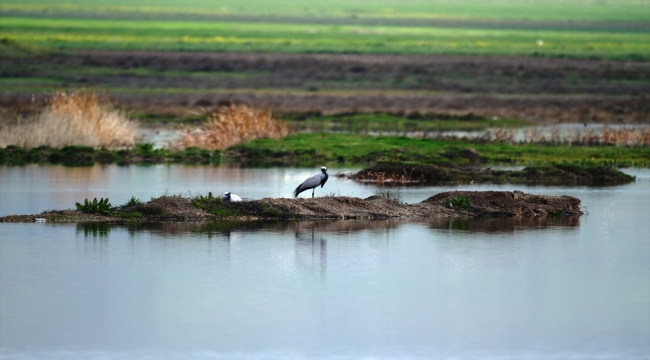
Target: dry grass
{"type": "Point", "coordinates": [78, 118]}
{"type": "Point", "coordinates": [606, 136]}
{"type": "Point", "coordinates": [233, 124]}
{"type": "Point", "coordinates": [381, 178]}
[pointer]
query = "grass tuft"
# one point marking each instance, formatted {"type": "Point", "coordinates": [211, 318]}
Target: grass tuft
{"type": "Point", "coordinates": [133, 201]}
{"type": "Point", "coordinates": [215, 206]}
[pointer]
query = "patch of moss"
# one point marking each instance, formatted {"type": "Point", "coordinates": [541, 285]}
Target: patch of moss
{"type": "Point", "coordinates": [270, 211]}
{"type": "Point", "coordinates": [223, 212]}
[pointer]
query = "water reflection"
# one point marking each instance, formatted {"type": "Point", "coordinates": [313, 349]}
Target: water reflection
{"type": "Point", "coordinates": [503, 225]}
{"type": "Point", "coordinates": [95, 230]}
{"type": "Point", "coordinates": [312, 232]}
{"type": "Point", "coordinates": [311, 248]}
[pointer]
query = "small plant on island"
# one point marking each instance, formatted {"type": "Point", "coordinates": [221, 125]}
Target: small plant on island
{"type": "Point", "coordinates": [133, 201]}
{"type": "Point", "coordinates": [459, 203]}
{"type": "Point", "coordinates": [102, 207]}
{"type": "Point", "coordinates": [214, 205]}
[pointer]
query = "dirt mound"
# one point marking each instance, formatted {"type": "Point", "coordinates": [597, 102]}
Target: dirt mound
{"type": "Point", "coordinates": [171, 208]}
{"type": "Point", "coordinates": [510, 204]}
{"type": "Point", "coordinates": [343, 207]}
{"type": "Point", "coordinates": [202, 209]}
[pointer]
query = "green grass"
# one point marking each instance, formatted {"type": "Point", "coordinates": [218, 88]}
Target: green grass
{"type": "Point", "coordinates": [610, 29]}
{"type": "Point", "coordinates": [138, 34]}
{"type": "Point", "coordinates": [59, 71]}
{"type": "Point", "coordinates": [379, 122]}
{"type": "Point", "coordinates": [561, 10]}
{"type": "Point", "coordinates": [459, 203]}
{"type": "Point", "coordinates": [332, 150]}
{"type": "Point", "coordinates": [86, 156]}
{"type": "Point", "coordinates": [349, 149]}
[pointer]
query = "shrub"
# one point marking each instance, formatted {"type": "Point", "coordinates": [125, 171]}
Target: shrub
{"type": "Point", "coordinates": [79, 118]}
{"type": "Point", "coordinates": [459, 203]}
{"type": "Point", "coordinates": [232, 125]}
{"type": "Point", "coordinates": [133, 201]}
{"type": "Point", "coordinates": [96, 207]}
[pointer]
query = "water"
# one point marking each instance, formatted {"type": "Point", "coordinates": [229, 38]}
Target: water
{"type": "Point", "coordinates": [575, 288]}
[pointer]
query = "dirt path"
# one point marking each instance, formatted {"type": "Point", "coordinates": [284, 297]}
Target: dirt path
{"type": "Point", "coordinates": [482, 204]}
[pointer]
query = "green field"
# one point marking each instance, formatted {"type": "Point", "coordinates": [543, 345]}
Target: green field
{"type": "Point", "coordinates": [350, 149]}
{"type": "Point", "coordinates": [543, 10]}
{"type": "Point", "coordinates": [380, 123]}
{"type": "Point", "coordinates": [340, 150]}
{"type": "Point", "coordinates": [598, 29]}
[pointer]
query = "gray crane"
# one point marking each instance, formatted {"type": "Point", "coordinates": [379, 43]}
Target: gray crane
{"type": "Point", "coordinates": [312, 183]}
{"type": "Point", "coordinates": [227, 196]}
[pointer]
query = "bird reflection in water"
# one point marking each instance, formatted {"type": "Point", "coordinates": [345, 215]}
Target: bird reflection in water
{"type": "Point", "coordinates": [311, 247]}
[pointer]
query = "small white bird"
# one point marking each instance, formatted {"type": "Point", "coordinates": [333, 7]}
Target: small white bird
{"type": "Point", "coordinates": [312, 182]}
{"type": "Point", "coordinates": [227, 196]}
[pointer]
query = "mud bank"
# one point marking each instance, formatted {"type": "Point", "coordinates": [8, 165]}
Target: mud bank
{"type": "Point", "coordinates": [559, 174]}
{"type": "Point", "coordinates": [478, 204]}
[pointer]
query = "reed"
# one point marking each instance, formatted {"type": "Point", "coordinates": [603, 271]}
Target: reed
{"type": "Point", "coordinates": [381, 178]}
{"type": "Point", "coordinates": [231, 125]}
{"type": "Point", "coordinates": [78, 118]}
{"type": "Point", "coordinates": [622, 137]}
{"type": "Point", "coordinates": [607, 136]}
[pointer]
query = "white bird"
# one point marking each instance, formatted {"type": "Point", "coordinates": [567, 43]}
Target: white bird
{"type": "Point", "coordinates": [227, 196]}
{"type": "Point", "coordinates": [312, 182]}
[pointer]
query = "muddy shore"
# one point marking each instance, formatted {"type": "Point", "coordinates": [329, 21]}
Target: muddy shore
{"type": "Point", "coordinates": [481, 204]}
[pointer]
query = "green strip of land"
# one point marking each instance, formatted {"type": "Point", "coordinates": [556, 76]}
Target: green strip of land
{"type": "Point", "coordinates": [541, 10]}
{"type": "Point", "coordinates": [171, 35]}
{"type": "Point", "coordinates": [342, 150]}
{"type": "Point", "coordinates": [352, 149]}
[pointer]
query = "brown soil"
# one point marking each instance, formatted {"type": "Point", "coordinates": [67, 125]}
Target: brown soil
{"type": "Point", "coordinates": [510, 204]}
{"type": "Point", "coordinates": [483, 204]}
{"type": "Point", "coordinates": [536, 89]}
{"type": "Point", "coordinates": [473, 172]}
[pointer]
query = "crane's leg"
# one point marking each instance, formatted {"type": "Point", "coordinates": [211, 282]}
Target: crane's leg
{"type": "Point", "coordinates": [312, 192]}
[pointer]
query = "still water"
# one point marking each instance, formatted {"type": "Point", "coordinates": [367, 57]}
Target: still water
{"type": "Point", "coordinates": [576, 288]}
